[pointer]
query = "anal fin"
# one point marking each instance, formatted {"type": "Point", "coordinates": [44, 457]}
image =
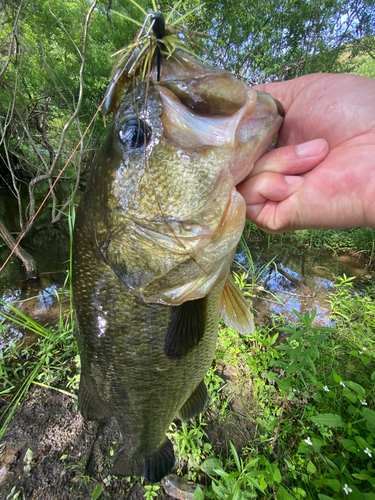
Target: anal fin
{"type": "Point", "coordinates": [186, 327]}
{"type": "Point", "coordinates": [235, 311]}
{"type": "Point", "coordinates": [195, 404]}
{"type": "Point", "coordinates": [153, 467]}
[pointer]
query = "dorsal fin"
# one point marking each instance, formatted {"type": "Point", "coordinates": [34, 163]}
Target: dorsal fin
{"type": "Point", "coordinates": [186, 327]}
{"type": "Point", "coordinates": [235, 311]}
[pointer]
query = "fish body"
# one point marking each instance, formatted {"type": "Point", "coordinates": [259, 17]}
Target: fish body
{"type": "Point", "coordinates": [155, 234]}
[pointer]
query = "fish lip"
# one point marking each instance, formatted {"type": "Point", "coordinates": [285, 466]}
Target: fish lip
{"type": "Point", "coordinates": [279, 106]}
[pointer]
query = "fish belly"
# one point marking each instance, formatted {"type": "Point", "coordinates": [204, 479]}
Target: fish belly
{"type": "Point", "coordinates": [125, 370]}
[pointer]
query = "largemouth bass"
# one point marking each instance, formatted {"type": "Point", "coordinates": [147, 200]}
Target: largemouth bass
{"type": "Point", "coordinates": [155, 234]}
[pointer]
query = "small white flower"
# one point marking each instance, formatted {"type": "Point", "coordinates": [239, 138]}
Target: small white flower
{"type": "Point", "coordinates": [359, 352]}
{"type": "Point", "coordinates": [368, 452]}
{"type": "Point", "coordinates": [342, 383]}
{"type": "Point", "coordinates": [325, 388]}
{"type": "Point", "coordinates": [364, 349]}
{"type": "Point", "coordinates": [363, 402]}
{"type": "Point", "coordinates": [308, 441]}
{"type": "Point", "coordinates": [347, 490]}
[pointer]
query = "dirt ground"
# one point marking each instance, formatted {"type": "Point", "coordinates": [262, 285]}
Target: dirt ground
{"type": "Point", "coordinates": [49, 452]}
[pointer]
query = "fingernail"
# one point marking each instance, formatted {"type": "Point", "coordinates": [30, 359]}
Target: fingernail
{"type": "Point", "coordinates": [294, 180]}
{"type": "Point", "coordinates": [311, 148]}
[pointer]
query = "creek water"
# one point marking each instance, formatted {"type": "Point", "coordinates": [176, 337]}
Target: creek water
{"type": "Point", "coordinates": [296, 278]}
{"type": "Point", "coordinates": [41, 298]}
{"type": "Point", "coordinates": [287, 278]}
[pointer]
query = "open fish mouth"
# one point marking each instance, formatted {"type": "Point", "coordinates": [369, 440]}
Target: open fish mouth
{"type": "Point", "coordinates": [209, 107]}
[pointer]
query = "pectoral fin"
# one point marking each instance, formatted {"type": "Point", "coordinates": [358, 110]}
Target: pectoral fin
{"type": "Point", "coordinates": [235, 311]}
{"type": "Point", "coordinates": [186, 327]}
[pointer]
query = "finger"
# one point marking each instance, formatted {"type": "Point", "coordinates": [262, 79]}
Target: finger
{"type": "Point", "coordinates": [292, 160]}
{"type": "Point", "coordinates": [263, 195]}
{"type": "Point", "coordinates": [269, 186]}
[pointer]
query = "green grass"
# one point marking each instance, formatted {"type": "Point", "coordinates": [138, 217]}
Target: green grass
{"type": "Point", "coordinates": [360, 240]}
{"type": "Point", "coordinates": [52, 362]}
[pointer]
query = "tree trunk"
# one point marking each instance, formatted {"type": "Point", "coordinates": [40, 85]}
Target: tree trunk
{"type": "Point", "coordinates": [27, 260]}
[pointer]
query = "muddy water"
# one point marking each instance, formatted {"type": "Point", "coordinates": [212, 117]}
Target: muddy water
{"type": "Point", "coordinates": [41, 298]}
{"type": "Point", "coordinates": [297, 278]}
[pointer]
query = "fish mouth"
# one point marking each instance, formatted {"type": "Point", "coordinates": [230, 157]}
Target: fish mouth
{"type": "Point", "coordinates": [210, 108]}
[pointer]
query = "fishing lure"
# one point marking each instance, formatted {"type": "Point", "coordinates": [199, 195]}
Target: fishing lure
{"type": "Point", "coordinates": [156, 39]}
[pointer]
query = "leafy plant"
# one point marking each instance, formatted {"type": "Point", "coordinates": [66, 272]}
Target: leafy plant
{"type": "Point", "coordinates": [151, 491]}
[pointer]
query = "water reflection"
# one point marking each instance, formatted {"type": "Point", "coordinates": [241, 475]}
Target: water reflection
{"type": "Point", "coordinates": [39, 300]}
{"type": "Point", "coordinates": [299, 279]}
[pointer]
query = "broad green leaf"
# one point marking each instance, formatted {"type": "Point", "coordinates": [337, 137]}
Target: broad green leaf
{"type": "Point", "coordinates": [277, 476]}
{"type": "Point", "coordinates": [273, 339]}
{"type": "Point", "coordinates": [198, 493]}
{"type": "Point", "coordinates": [97, 491]}
{"type": "Point", "coordinates": [331, 483]}
{"type": "Point", "coordinates": [303, 448]}
{"type": "Point", "coordinates": [282, 494]}
{"type": "Point", "coordinates": [324, 497]}
{"type": "Point", "coordinates": [362, 443]}
{"type": "Point", "coordinates": [356, 387]}
{"type": "Point", "coordinates": [316, 444]}
{"type": "Point", "coordinates": [311, 469]}
{"type": "Point", "coordinates": [366, 360]}
{"type": "Point", "coordinates": [349, 395]}
{"type": "Point", "coordinates": [326, 329]}
{"type": "Point", "coordinates": [348, 444]}
{"type": "Point", "coordinates": [210, 465]}
{"type": "Point", "coordinates": [373, 376]}
{"type": "Point", "coordinates": [337, 378]}
{"type": "Point", "coordinates": [363, 477]}
{"type": "Point", "coordinates": [328, 419]}
{"type": "Point", "coordinates": [369, 416]}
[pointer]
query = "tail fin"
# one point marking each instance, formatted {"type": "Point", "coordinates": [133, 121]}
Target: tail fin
{"type": "Point", "coordinates": [153, 467]}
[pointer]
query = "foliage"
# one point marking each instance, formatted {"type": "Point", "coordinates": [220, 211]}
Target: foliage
{"type": "Point", "coordinates": [275, 40]}
{"type": "Point", "coordinates": [53, 359]}
{"type": "Point", "coordinates": [359, 239]}
{"type": "Point", "coordinates": [151, 491]}
{"type": "Point", "coordinates": [313, 402]}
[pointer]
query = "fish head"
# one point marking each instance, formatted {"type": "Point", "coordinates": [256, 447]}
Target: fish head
{"type": "Point", "coordinates": [168, 215]}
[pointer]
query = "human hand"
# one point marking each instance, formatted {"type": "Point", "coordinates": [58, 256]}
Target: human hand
{"type": "Point", "coordinates": [322, 172]}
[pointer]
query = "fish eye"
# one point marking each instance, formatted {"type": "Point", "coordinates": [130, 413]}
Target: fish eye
{"type": "Point", "coordinates": [132, 133]}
